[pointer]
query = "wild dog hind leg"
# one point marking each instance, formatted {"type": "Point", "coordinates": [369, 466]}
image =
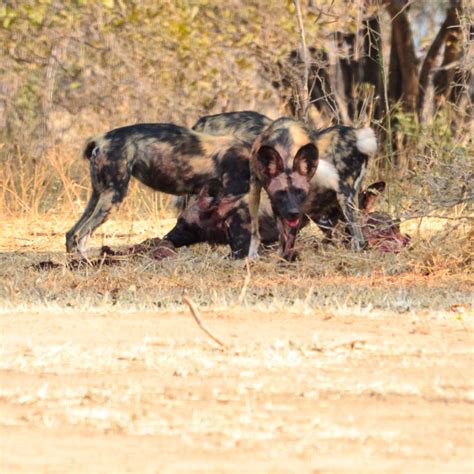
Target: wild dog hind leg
{"type": "Point", "coordinates": [109, 188]}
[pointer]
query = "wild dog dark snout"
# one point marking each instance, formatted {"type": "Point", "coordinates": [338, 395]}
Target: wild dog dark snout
{"type": "Point", "coordinates": [369, 196]}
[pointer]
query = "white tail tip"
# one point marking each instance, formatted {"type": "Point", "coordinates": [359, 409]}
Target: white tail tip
{"type": "Point", "coordinates": [366, 141]}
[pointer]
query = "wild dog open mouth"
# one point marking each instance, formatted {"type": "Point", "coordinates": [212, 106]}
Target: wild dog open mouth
{"type": "Point", "coordinates": [293, 223]}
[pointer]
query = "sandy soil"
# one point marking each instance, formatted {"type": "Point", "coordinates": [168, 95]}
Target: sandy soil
{"type": "Point", "coordinates": [324, 392]}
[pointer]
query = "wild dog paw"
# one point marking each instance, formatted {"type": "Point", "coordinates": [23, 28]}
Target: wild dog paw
{"type": "Point", "coordinates": [358, 246]}
{"type": "Point", "coordinates": [253, 249]}
{"type": "Point", "coordinates": [291, 256]}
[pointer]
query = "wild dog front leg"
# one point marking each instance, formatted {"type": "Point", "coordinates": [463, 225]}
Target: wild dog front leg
{"type": "Point", "coordinates": [254, 204]}
{"type": "Point", "coordinates": [346, 200]}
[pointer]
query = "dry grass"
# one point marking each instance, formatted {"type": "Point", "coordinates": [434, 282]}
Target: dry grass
{"type": "Point", "coordinates": [434, 273]}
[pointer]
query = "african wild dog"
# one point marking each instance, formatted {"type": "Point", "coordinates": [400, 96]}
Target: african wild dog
{"type": "Point", "coordinates": [218, 219]}
{"type": "Point", "coordinates": [283, 161]}
{"type": "Point", "coordinates": [335, 187]}
{"type": "Point", "coordinates": [344, 154]}
{"type": "Point", "coordinates": [165, 157]}
{"type": "Point", "coordinates": [245, 125]}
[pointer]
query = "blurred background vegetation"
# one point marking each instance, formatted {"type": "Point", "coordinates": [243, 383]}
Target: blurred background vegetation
{"type": "Point", "coordinates": [70, 70]}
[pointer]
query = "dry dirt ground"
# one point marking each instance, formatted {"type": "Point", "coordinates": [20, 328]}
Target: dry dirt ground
{"type": "Point", "coordinates": [380, 380]}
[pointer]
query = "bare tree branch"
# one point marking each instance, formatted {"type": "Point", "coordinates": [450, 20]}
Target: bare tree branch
{"type": "Point", "coordinates": [304, 95]}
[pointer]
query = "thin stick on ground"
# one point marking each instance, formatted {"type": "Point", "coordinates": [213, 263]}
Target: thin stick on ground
{"type": "Point", "coordinates": [246, 283]}
{"type": "Point", "coordinates": [194, 311]}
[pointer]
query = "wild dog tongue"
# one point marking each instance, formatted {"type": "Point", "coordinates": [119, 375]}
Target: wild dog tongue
{"type": "Point", "coordinates": [292, 223]}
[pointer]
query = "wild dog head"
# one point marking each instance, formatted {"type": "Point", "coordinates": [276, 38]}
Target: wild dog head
{"type": "Point", "coordinates": [379, 229]}
{"type": "Point", "coordinates": [284, 160]}
{"type": "Point", "coordinates": [203, 219]}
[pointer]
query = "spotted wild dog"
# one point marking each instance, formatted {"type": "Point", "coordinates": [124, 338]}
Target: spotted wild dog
{"type": "Point", "coordinates": [335, 187]}
{"type": "Point", "coordinates": [246, 125]}
{"type": "Point", "coordinates": [344, 153]}
{"type": "Point", "coordinates": [283, 161]}
{"type": "Point", "coordinates": [218, 219]}
{"type": "Point", "coordinates": [164, 157]}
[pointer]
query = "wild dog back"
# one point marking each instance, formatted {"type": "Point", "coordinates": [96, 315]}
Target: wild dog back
{"type": "Point", "coordinates": [246, 125]}
{"type": "Point", "coordinates": [169, 158]}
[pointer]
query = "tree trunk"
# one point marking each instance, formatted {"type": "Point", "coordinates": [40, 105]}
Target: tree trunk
{"type": "Point", "coordinates": [443, 78]}
{"type": "Point", "coordinates": [448, 33]}
{"type": "Point", "coordinates": [402, 41]}
{"type": "Point", "coordinates": [372, 63]}
{"type": "Point", "coordinates": [304, 95]}
{"type": "Point", "coordinates": [394, 73]}
{"type": "Point", "coordinates": [348, 68]}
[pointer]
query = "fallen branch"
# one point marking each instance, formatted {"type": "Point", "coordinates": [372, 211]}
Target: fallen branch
{"type": "Point", "coordinates": [194, 311]}
{"type": "Point", "coordinates": [355, 344]}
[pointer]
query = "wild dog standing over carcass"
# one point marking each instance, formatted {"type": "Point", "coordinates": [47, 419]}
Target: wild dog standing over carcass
{"type": "Point", "coordinates": [218, 219]}
{"type": "Point", "coordinates": [246, 125]}
{"type": "Point", "coordinates": [165, 157]}
{"type": "Point", "coordinates": [283, 161]}
{"type": "Point", "coordinates": [344, 153]}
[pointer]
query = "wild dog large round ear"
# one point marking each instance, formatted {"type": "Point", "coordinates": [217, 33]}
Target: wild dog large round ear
{"type": "Point", "coordinates": [306, 160]}
{"type": "Point", "coordinates": [210, 194]}
{"type": "Point", "coordinates": [269, 162]}
{"type": "Point", "coordinates": [369, 196]}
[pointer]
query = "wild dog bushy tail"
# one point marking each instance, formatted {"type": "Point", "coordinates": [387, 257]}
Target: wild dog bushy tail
{"type": "Point", "coordinates": [366, 141]}
{"type": "Point", "coordinates": [89, 147]}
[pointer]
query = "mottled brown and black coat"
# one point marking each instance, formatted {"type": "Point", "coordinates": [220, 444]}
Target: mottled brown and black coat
{"type": "Point", "coordinates": [283, 161]}
{"type": "Point", "coordinates": [246, 125]}
{"type": "Point", "coordinates": [166, 157]}
{"type": "Point", "coordinates": [343, 157]}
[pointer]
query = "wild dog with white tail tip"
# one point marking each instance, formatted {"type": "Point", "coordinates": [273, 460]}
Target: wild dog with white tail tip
{"type": "Point", "coordinates": [343, 156]}
{"type": "Point", "coordinates": [334, 189]}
